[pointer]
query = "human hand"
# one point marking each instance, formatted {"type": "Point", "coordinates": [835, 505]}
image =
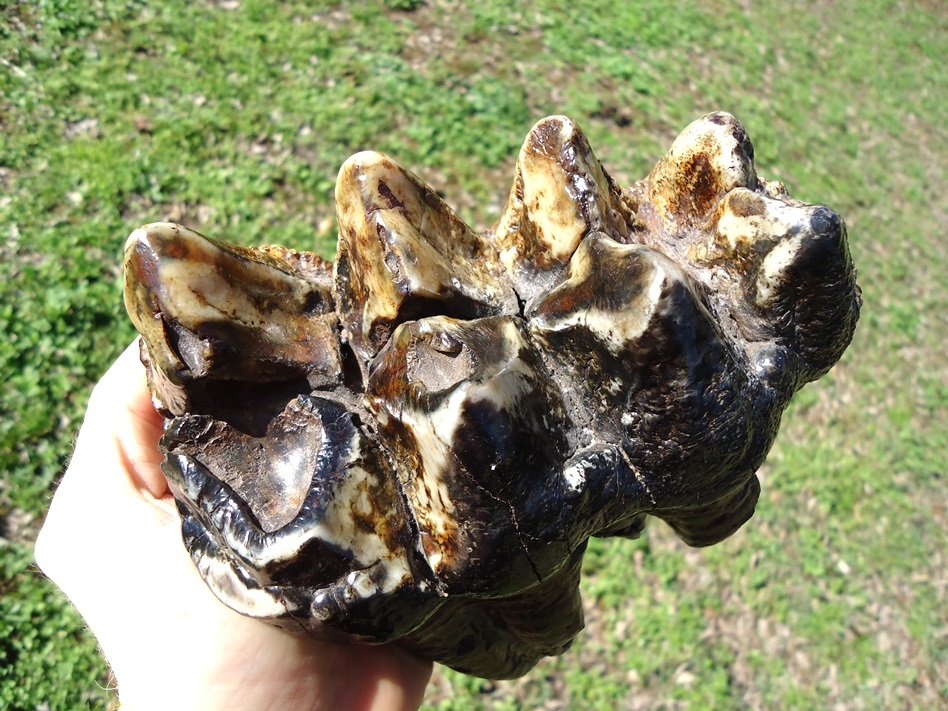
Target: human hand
{"type": "Point", "coordinates": [112, 542]}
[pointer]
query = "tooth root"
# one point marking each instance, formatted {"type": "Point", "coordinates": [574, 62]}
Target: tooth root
{"type": "Point", "coordinates": [561, 193]}
{"type": "Point", "coordinates": [213, 310]}
{"type": "Point", "coordinates": [711, 157]}
{"type": "Point", "coordinates": [403, 254]}
{"type": "Point", "coordinates": [712, 523]}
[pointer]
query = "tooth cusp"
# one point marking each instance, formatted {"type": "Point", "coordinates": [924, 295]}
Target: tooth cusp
{"type": "Point", "coordinates": [561, 193]}
{"type": "Point", "coordinates": [403, 254]}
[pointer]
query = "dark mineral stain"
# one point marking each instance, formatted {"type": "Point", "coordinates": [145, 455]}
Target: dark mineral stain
{"type": "Point", "coordinates": [389, 196]}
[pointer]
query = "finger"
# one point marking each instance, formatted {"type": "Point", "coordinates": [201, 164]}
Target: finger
{"type": "Point", "coordinates": [121, 416]}
{"type": "Point", "coordinates": [114, 471]}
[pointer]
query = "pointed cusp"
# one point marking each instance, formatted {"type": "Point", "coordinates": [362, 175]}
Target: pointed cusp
{"type": "Point", "coordinates": [560, 194]}
{"type": "Point", "coordinates": [404, 254]}
{"type": "Point", "coordinates": [213, 310]}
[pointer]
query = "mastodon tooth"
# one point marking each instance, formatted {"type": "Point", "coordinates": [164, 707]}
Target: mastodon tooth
{"type": "Point", "coordinates": [414, 444]}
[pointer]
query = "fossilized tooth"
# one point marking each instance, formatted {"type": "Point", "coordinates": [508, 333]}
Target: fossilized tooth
{"type": "Point", "coordinates": [416, 447]}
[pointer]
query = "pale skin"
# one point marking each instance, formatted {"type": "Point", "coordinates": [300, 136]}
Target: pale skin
{"type": "Point", "coordinates": [112, 542]}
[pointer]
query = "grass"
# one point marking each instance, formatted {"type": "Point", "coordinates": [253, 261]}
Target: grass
{"type": "Point", "coordinates": [234, 116]}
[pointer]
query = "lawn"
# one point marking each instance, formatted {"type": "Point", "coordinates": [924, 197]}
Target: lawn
{"type": "Point", "coordinates": [232, 116]}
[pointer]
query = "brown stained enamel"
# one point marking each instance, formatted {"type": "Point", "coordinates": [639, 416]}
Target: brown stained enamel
{"type": "Point", "coordinates": [414, 443]}
{"type": "Point", "coordinates": [604, 279]}
{"type": "Point", "coordinates": [387, 398]}
{"type": "Point", "coordinates": [699, 191]}
{"type": "Point", "coordinates": [418, 258]}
